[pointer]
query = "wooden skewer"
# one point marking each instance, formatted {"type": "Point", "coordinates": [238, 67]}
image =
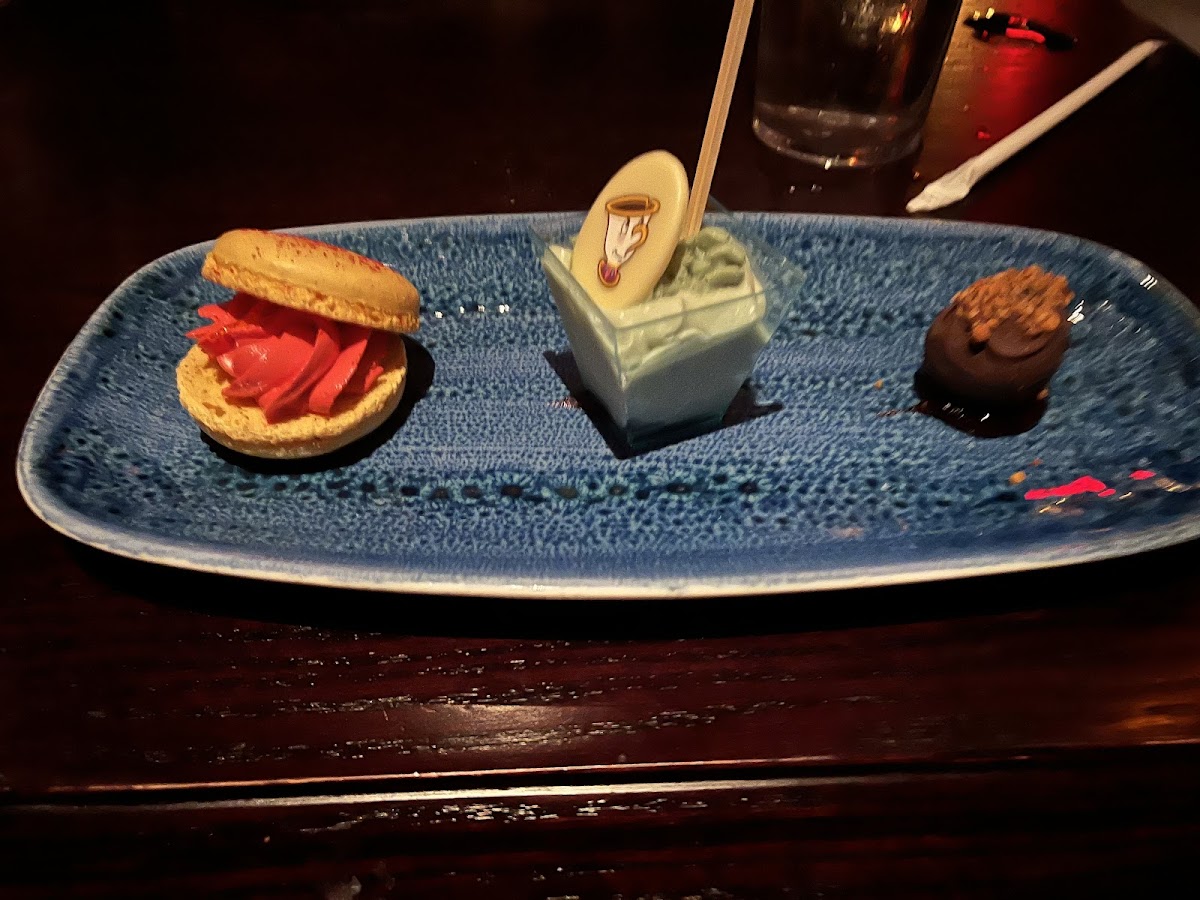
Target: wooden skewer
{"type": "Point", "coordinates": [735, 40]}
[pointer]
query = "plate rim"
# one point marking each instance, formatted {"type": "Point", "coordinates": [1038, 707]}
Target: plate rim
{"type": "Point", "coordinates": [200, 556]}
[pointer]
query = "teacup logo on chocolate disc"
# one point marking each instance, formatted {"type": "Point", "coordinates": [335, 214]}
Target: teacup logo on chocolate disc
{"type": "Point", "coordinates": [631, 231]}
{"type": "Point", "coordinates": [628, 228]}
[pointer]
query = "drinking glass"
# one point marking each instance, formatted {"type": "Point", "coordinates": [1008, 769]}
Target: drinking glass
{"type": "Point", "coordinates": [848, 82]}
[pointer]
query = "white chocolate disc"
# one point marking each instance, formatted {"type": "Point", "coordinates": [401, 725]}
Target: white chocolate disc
{"type": "Point", "coordinates": [631, 230]}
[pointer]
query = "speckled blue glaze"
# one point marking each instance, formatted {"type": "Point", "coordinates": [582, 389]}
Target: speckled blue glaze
{"type": "Point", "coordinates": [495, 485]}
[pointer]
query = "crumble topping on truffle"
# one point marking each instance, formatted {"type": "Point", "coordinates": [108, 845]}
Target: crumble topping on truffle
{"type": "Point", "coordinates": [1030, 298]}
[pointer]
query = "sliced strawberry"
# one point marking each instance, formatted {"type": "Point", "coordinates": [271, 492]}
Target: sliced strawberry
{"type": "Point", "coordinates": [370, 367]}
{"type": "Point", "coordinates": [330, 387]}
{"type": "Point", "coordinates": [289, 361]}
{"type": "Point", "coordinates": [232, 323]}
{"type": "Point", "coordinates": [241, 303]}
{"type": "Point", "coordinates": [282, 358]}
{"type": "Point", "coordinates": [231, 336]}
{"type": "Point", "coordinates": [247, 331]}
{"type": "Point", "coordinates": [285, 320]}
{"type": "Point", "coordinates": [232, 310]}
{"type": "Point", "coordinates": [200, 332]}
{"type": "Point", "coordinates": [238, 361]}
{"type": "Point", "coordinates": [283, 401]}
{"type": "Point", "coordinates": [373, 373]}
{"type": "Point", "coordinates": [216, 313]}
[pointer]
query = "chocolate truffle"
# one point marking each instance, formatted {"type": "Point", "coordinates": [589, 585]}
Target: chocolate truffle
{"type": "Point", "coordinates": [1000, 340]}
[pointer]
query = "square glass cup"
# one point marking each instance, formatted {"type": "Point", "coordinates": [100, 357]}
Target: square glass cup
{"type": "Point", "coordinates": [668, 369]}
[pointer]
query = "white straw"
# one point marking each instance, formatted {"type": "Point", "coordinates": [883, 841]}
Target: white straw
{"type": "Point", "coordinates": [956, 184]}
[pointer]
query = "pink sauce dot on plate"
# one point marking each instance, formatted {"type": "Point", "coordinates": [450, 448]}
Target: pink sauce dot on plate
{"type": "Point", "coordinates": [1085, 484]}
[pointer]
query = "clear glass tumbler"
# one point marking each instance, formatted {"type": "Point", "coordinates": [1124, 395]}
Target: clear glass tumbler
{"type": "Point", "coordinates": [848, 82]}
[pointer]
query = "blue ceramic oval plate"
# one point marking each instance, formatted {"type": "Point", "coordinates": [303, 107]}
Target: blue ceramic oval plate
{"type": "Point", "coordinates": [490, 480]}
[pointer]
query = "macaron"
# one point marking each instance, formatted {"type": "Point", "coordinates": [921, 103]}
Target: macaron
{"type": "Point", "coordinates": [306, 357]}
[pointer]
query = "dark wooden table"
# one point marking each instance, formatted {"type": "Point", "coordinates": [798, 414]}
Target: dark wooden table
{"type": "Point", "coordinates": [166, 734]}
